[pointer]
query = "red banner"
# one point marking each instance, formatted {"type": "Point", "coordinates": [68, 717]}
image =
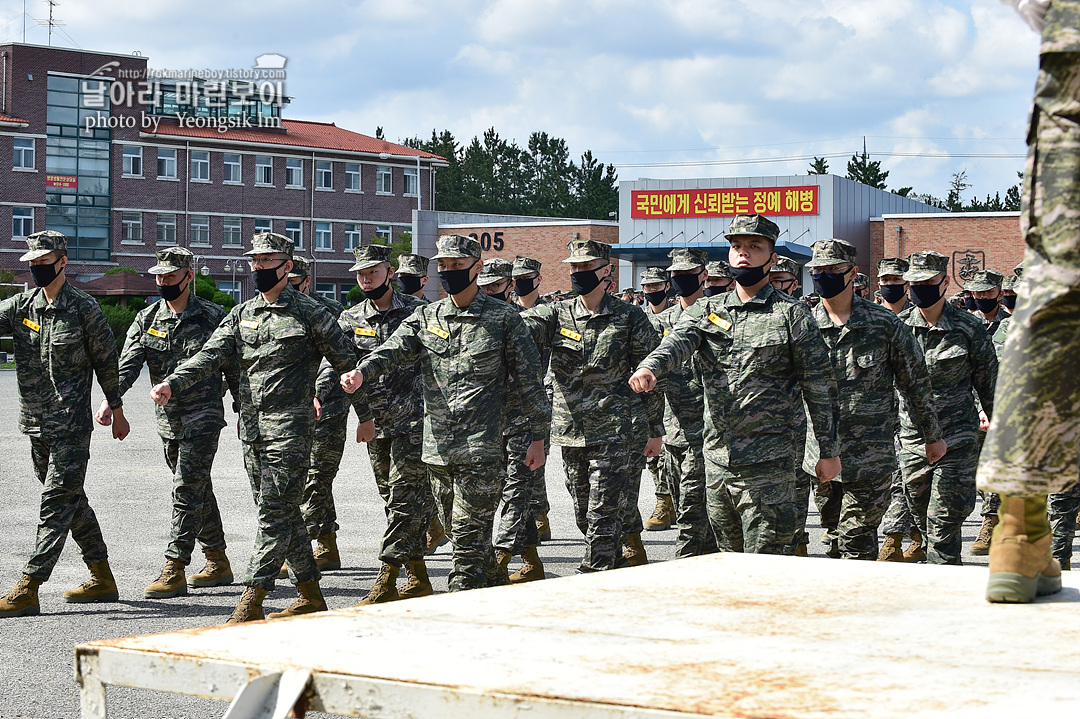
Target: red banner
{"type": "Point", "coordinates": [61, 181]}
{"type": "Point", "coordinates": [723, 202]}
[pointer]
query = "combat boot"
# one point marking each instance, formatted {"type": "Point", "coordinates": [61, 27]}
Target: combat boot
{"type": "Point", "coordinates": [1020, 569]}
{"type": "Point", "coordinates": [499, 577]}
{"type": "Point", "coordinates": [309, 599]}
{"type": "Point", "coordinates": [531, 570]}
{"type": "Point", "coordinates": [801, 550]}
{"type": "Point", "coordinates": [170, 583]}
{"type": "Point", "coordinates": [1066, 564]}
{"type": "Point", "coordinates": [326, 552]}
{"type": "Point", "coordinates": [663, 514]}
{"type": "Point", "coordinates": [22, 601]}
{"type": "Point", "coordinates": [543, 527]}
{"type": "Point", "coordinates": [217, 572]}
{"type": "Point", "coordinates": [417, 583]}
{"type": "Point", "coordinates": [833, 552]}
{"type": "Point", "coordinates": [436, 536]}
{"type": "Point", "coordinates": [385, 587]}
{"type": "Point", "coordinates": [981, 545]}
{"type": "Point", "coordinates": [915, 552]}
{"type": "Point", "coordinates": [283, 573]}
{"type": "Point", "coordinates": [892, 548]}
{"type": "Point", "coordinates": [634, 550]}
{"type": "Point", "coordinates": [250, 608]}
{"type": "Point", "coordinates": [101, 586]}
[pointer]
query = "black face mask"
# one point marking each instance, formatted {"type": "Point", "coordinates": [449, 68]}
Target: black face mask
{"type": "Point", "coordinates": [656, 298]}
{"type": "Point", "coordinates": [170, 293]}
{"type": "Point", "coordinates": [925, 295]}
{"type": "Point", "coordinates": [524, 286]}
{"type": "Point", "coordinates": [266, 279]}
{"type": "Point", "coordinates": [1009, 301]}
{"type": "Point", "coordinates": [715, 290]}
{"type": "Point", "coordinates": [585, 282]}
{"type": "Point", "coordinates": [409, 284]}
{"type": "Point", "coordinates": [499, 295]}
{"type": "Point", "coordinates": [969, 303]}
{"type": "Point", "coordinates": [686, 285]}
{"type": "Point", "coordinates": [987, 306]}
{"type": "Point", "coordinates": [457, 281]}
{"type": "Point", "coordinates": [891, 293]}
{"type": "Point", "coordinates": [749, 276]}
{"type": "Point", "coordinates": [829, 284]}
{"type": "Point", "coordinates": [44, 274]}
{"type": "Point", "coordinates": [376, 292]}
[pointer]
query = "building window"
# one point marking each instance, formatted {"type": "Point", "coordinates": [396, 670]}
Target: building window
{"type": "Point", "coordinates": [24, 153]}
{"type": "Point", "coordinates": [264, 170]}
{"type": "Point", "coordinates": [166, 163]}
{"type": "Point", "coordinates": [232, 168]}
{"type": "Point", "coordinates": [323, 236]}
{"type": "Point", "coordinates": [132, 161]}
{"type": "Point", "coordinates": [326, 289]}
{"type": "Point", "coordinates": [294, 173]}
{"type": "Point", "coordinates": [352, 177]}
{"type": "Point", "coordinates": [294, 230]}
{"type": "Point", "coordinates": [132, 222]}
{"type": "Point", "coordinates": [200, 166]}
{"type": "Point", "coordinates": [22, 221]}
{"type": "Point", "coordinates": [232, 234]}
{"type": "Point", "coordinates": [383, 180]}
{"type": "Point", "coordinates": [231, 288]}
{"type": "Point", "coordinates": [166, 229]}
{"type": "Point", "coordinates": [352, 236]}
{"type": "Point", "coordinates": [263, 224]}
{"type": "Point", "coordinates": [324, 175]}
{"type": "Point", "coordinates": [411, 183]}
{"type": "Point", "coordinates": [200, 230]}
{"type": "Point", "coordinates": [383, 233]}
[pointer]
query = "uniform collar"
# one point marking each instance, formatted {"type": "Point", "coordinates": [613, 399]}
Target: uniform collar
{"type": "Point", "coordinates": [63, 300]}
{"type": "Point", "coordinates": [582, 312]}
{"type": "Point", "coordinates": [945, 322]}
{"type": "Point", "coordinates": [860, 315]}
{"type": "Point", "coordinates": [285, 299]}
{"type": "Point", "coordinates": [475, 308]}
{"type": "Point", "coordinates": [370, 311]}
{"type": "Point", "coordinates": [765, 294]}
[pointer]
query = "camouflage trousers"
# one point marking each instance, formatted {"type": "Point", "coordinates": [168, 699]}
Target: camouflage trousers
{"type": "Point", "coordinates": [317, 503]}
{"type": "Point", "coordinates": [596, 478]}
{"type": "Point", "coordinates": [1062, 508]}
{"type": "Point", "coordinates": [804, 487]}
{"type": "Point", "coordinates": [655, 465]}
{"type": "Point", "coordinates": [897, 519]}
{"type": "Point", "coordinates": [990, 502]}
{"type": "Point", "coordinates": [468, 495]}
{"type": "Point", "coordinates": [854, 506]}
{"type": "Point", "coordinates": [60, 466]}
{"type": "Point", "coordinates": [941, 497]}
{"type": "Point", "coordinates": [516, 528]}
{"type": "Point", "coordinates": [686, 468]}
{"type": "Point", "coordinates": [402, 479]}
{"type": "Point", "coordinates": [277, 470]}
{"type": "Point", "coordinates": [631, 511]}
{"type": "Point", "coordinates": [538, 499]}
{"type": "Point", "coordinates": [752, 508]}
{"type": "Point", "coordinates": [195, 509]}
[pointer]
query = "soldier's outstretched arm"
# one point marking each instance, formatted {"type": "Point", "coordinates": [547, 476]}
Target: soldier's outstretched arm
{"type": "Point", "coordinates": [219, 349]}
{"type": "Point", "coordinates": [132, 358]}
{"type": "Point", "coordinates": [400, 348]}
{"type": "Point", "coordinates": [674, 350]}
{"type": "Point", "coordinates": [7, 316]}
{"type": "Point", "coordinates": [101, 349]}
{"type": "Point", "coordinates": [643, 341]}
{"type": "Point", "coordinates": [339, 353]}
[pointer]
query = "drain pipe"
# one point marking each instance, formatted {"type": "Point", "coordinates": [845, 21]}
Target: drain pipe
{"type": "Point", "coordinates": [898, 229]}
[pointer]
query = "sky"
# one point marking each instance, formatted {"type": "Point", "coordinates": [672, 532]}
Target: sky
{"type": "Point", "coordinates": [661, 89]}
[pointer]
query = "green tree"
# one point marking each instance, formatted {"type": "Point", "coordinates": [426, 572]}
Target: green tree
{"type": "Point", "coordinates": [861, 168]}
{"type": "Point", "coordinates": [6, 280]}
{"type": "Point", "coordinates": [206, 288]}
{"type": "Point", "coordinates": [114, 270]}
{"type": "Point", "coordinates": [954, 201]}
{"type": "Point", "coordinates": [818, 167]}
{"type": "Point", "coordinates": [596, 189]}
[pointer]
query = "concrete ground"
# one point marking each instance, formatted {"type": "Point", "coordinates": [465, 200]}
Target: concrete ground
{"type": "Point", "coordinates": [128, 486]}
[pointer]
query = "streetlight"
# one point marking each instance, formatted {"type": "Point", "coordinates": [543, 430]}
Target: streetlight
{"type": "Point", "coordinates": [232, 266]}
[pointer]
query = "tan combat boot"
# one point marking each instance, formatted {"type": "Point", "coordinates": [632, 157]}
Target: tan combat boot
{"type": "Point", "coordinates": [101, 586]}
{"type": "Point", "coordinates": [634, 550]}
{"type": "Point", "coordinates": [543, 527]}
{"type": "Point", "coordinates": [663, 514]}
{"type": "Point", "coordinates": [1020, 570]}
{"type": "Point", "coordinates": [981, 545]}
{"type": "Point", "coordinates": [283, 573]}
{"type": "Point", "coordinates": [800, 550]}
{"type": "Point", "coordinates": [436, 536]}
{"type": "Point", "coordinates": [915, 551]}
{"type": "Point", "coordinates": [326, 552]}
{"type": "Point", "coordinates": [500, 577]}
{"type": "Point", "coordinates": [309, 599]}
{"type": "Point", "coordinates": [250, 608]}
{"type": "Point", "coordinates": [532, 569]}
{"type": "Point", "coordinates": [417, 583]}
{"type": "Point", "coordinates": [22, 601]}
{"type": "Point", "coordinates": [385, 587]}
{"type": "Point", "coordinates": [892, 549]}
{"type": "Point", "coordinates": [170, 583]}
{"type": "Point", "coordinates": [216, 573]}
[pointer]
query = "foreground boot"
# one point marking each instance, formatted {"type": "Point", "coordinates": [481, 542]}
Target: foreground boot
{"type": "Point", "coordinates": [801, 550]}
{"type": "Point", "coordinates": [532, 569]}
{"type": "Point", "coordinates": [22, 601]}
{"type": "Point", "coordinates": [981, 545]}
{"type": "Point", "coordinates": [891, 549]}
{"type": "Point", "coordinates": [1021, 569]}
{"type": "Point", "coordinates": [833, 552]}
{"type": "Point", "coordinates": [309, 599]}
{"type": "Point", "coordinates": [1065, 564]}
{"type": "Point", "coordinates": [250, 608]}
{"type": "Point", "coordinates": [101, 586]}
{"type": "Point", "coordinates": [915, 552]}
{"type": "Point", "coordinates": [634, 550]}
{"type": "Point", "coordinates": [326, 552]}
{"type": "Point", "coordinates": [283, 573]}
{"type": "Point", "coordinates": [543, 527]}
{"type": "Point", "coordinates": [663, 514]}
{"type": "Point", "coordinates": [436, 536]}
{"type": "Point", "coordinates": [385, 587]}
{"type": "Point", "coordinates": [170, 583]}
{"type": "Point", "coordinates": [500, 577]}
{"type": "Point", "coordinates": [417, 583]}
{"type": "Point", "coordinates": [216, 573]}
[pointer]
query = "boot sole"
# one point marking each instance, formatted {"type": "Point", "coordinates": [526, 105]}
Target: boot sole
{"type": "Point", "coordinates": [287, 614]}
{"type": "Point", "coordinates": [1012, 588]}
{"type": "Point", "coordinates": [179, 592]}
{"type": "Point", "coordinates": [657, 527]}
{"type": "Point", "coordinates": [100, 599]}
{"type": "Point", "coordinates": [980, 550]}
{"type": "Point", "coordinates": [414, 595]}
{"type": "Point", "coordinates": [328, 566]}
{"type": "Point", "coordinates": [31, 611]}
{"type": "Point", "coordinates": [219, 582]}
{"type": "Point", "coordinates": [523, 578]}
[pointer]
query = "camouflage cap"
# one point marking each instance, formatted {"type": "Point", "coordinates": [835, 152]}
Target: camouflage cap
{"type": "Point", "coordinates": [720, 268]}
{"type": "Point", "coordinates": [301, 266]}
{"type": "Point", "coordinates": [786, 264]}
{"type": "Point", "coordinates": [983, 281]}
{"type": "Point", "coordinates": [368, 256]}
{"type": "Point", "coordinates": [687, 258]}
{"type": "Point", "coordinates": [452, 247]}
{"type": "Point", "coordinates": [861, 280]}
{"type": "Point", "coordinates": [753, 225]}
{"type": "Point", "coordinates": [525, 266]}
{"type": "Point", "coordinates": [832, 251]}
{"type": "Point", "coordinates": [413, 265]}
{"type": "Point", "coordinates": [925, 265]}
{"type": "Point", "coordinates": [652, 275]}
{"type": "Point", "coordinates": [42, 243]}
{"type": "Point", "coordinates": [172, 259]}
{"type": "Point", "coordinates": [494, 270]}
{"type": "Point", "coordinates": [587, 251]}
{"type": "Point", "coordinates": [269, 243]}
{"type": "Point", "coordinates": [1019, 270]}
{"type": "Point", "coordinates": [1010, 282]}
{"type": "Point", "coordinates": [892, 266]}
{"type": "Point", "coordinates": [627, 290]}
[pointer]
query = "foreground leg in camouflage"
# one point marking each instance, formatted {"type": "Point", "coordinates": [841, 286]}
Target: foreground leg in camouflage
{"type": "Point", "coordinates": [695, 533]}
{"type": "Point", "coordinates": [195, 510]}
{"type": "Point", "coordinates": [633, 549]}
{"type": "Point", "coordinates": [327, 447]}
{"type": "Point", "coordinates": [752, 508]}
{"type": "Point", "coordinates": [402, 479]}
{"type": "Point", "coordinates": [595, 477]}
{"type": "Point", "coordinates": [469, 495]}
{"type": "Point", "coordinates": [516, 528]}
{"type": "Point", "coordinates": [538, 502]}
{"type": "Point", "coordinates": [863, 501]}
{"type": "Point", "coordinates": [942, 496]}
{"type": "Point", "coordinates": [1062, 508]}
{"type": "Point", "coordinates": [829, 499]}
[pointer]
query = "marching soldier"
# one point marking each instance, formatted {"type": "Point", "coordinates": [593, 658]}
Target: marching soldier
{"type": "Point", "coordinates": [784, 276]}
{"type": "Point", "coordinates": [719, 280]}
{"type": "Point", "coordinates": [655, 285]}
{"type": "Point", "coordinates": [412, 274]}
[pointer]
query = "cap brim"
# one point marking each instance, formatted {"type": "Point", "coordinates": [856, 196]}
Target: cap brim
{"type": "Point", "coordinates": [679, 266]}
{"type": "Point", "coordinates": [34, 254]}
{"type": "Point", "coordinates": [588, 258]}
{"type": "Point", "coordinates": [729, 235]}
{"type": "Point", "coordinates": [920, 275]}
{"type": "Point", "coordinates": [165, 269]}
{"type": "Point", "coordinates": [524, 273]}
{"type": "Point", "coordinates": [298, 274]}
{"type": "Point", "coordinates": [249, 253]}
{"type": "Point", "coordinates": [823, 262]}
{"type": "Point", "coordinates": [453, 256]}
{"type": "Point", "coordinates": [485, 281]}
{"type": "Point", "coordinates": [979, 287]}
{"type": "Point", "coordinates": [365, 264]}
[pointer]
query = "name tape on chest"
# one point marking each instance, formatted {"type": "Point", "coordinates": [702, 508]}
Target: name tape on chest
{"type": "Point", "coordinates": [32, 325]}
{"type": "Point", "coordinates": [157, 333]}
{"type": "Point", "coordinates": [364, 331]}
{"type": "Point", "coordinates": [570, 333]}
{"type": "Point", "coordinates": [666, 332]}
{"type": "Point", "coordinates": [438, 332]}
{"type": "Point", "coordinates": [249, 324]}
{"type": "Point", "coordinates": [719, 322]}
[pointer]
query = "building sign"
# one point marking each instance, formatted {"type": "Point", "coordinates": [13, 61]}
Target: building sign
{"type": "Point", "coordinates": [966, 263]}
{"type": "Point", "coordinates": [723, 202]}
{"type": "Point", "coordinates": [61, 181]}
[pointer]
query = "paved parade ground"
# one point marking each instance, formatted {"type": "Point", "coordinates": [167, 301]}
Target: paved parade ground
{"type": "Point", "coordinates": [128, 486]}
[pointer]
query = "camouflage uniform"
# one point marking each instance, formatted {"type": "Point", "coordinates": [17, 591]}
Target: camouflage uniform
{"type": "Point", "coordinates": [279, 346]}
{"type": "Point", "coordinates": [412, 266]}
{"type": "Point", "coordinates": [592, 358]}
{"type": "Point", "coordinates": [960, 358]}
{"type": "Point", "coordinates": [58, 347]}
{"type": "Point", "coordinates": [466, 357]}
{"type": "Point", "coordinates": [658, 466]}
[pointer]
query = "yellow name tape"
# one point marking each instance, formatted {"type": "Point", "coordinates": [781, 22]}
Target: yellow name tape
{"type": "Point", "coordinates": [249, 324]}
{"type": "Point", "coordinates": [364, 331]}
{"type": "Point", "coordinates": [156, 333]}
{"type": "Point", "coordinates": [438, 331]}
{"type": "Point", "coordinates": [570, 333]}
{"type": "Point", "coordinates": [32, 325]}
{"type": "Point", "coordinates": [666, 333]}
{"type": "Point", "coordinates": [719, 322]}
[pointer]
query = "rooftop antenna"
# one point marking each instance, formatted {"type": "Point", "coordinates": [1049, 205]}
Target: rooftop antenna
{"type": "Point", "coordinates": [51, 22]}
{"type": "Point", "coordinates": [24, 21]}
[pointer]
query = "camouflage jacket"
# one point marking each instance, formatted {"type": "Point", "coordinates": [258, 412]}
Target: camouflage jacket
{"type": "Point", "coordinates": [754, 357]}
{"type": "Point", "coordinates": [396, 397]}
{"type": "Point", "coordinates": [333, 402]}
{"type": "Point", "coordinates": [992, 325]}
{"type": "Point", "coordinates": [279, 346]}
{"type": "Point", "coordinates": [592, 358]}
{"type": "Point", "coordinates": [959, 357]}
{"type": "Point", "coordinates": [163, 340]}
{"type": "Point", "coordinates": [1000, 335]}
{"type": "Point", "coordinates": [57, 348]}
{"type": "Point", "coordinates": [684, 401]}
{"type": "Point", "coordinates": [466, 358]}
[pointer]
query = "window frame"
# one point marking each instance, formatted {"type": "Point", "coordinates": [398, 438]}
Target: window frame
{"type": "Point", "coordinates": [324, 176]}
{"type": "Point", "coordinates": [357, 174]}
{"type": "Point", "coordinates": [160, 225]}
{"type": "Point", "coordinates": [19, 154]}
{"type": "Point", "coordinates": [324, 231]}
{"type": "Point", "coordinates": [410, 172]}
{"type": "Point", "coordinates": [126, 223]}
{"type": "Point", "coordinates": [201, 225]}
{"type": "Point", "coordinates": [129, 159]}
{"type": "Point", "coordinates": [356, 234]}
{"type": "Point", "coordinates": [227, 165]}
{"type": "Point", "coordinates": [293, 172]}
{"type": "Point", "coordinates": [201, 162]}
{"type": "Point", "coordinates": [21, 220]}
{"type": "Point", "coordinates": [227, 226]}
{"type": "Point", "coordinates": [382, 171]}
{"type": "Point", "coordinates": [298, 240]}
{"type": "Point", "coordinates": [268, 165]}
{"type": "Point", "coordinates": [169, 162]}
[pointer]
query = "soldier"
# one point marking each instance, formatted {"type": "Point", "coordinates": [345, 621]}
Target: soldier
{"type": "Point", "coordinates": [655, 284]}
{"type": "Point", "coordinates": [754, 348]}
{"type": "Point", "coordinates": [595, 342]}
{"type": "Point", "coordinates": [60, 337]}
{"type": "Point", "coordinates": [468, 345]}
{"type": "Point", "coordinates": [960, 359]}
{"type": "Point", "coordinates": [163, 336]}
{"type": "Point", "coordinates": [719, 280]}
{"type": "Point", "coordinates": [784, 276]}
{"type": "Point", "coordinates": [412, 274]}
{"type": "Point", "coordinates": [872, 352]}
{"type": "Point", "coordinates": [862, 285]}
{"type": "Point", "coordinates": [278, 337]}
